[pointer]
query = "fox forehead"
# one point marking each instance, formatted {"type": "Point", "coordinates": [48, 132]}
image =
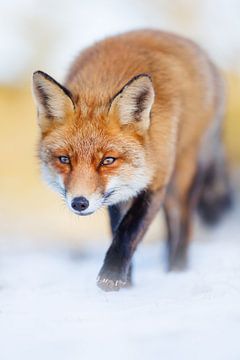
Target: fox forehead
{"type": "Point", "coordinates": [87, 139]}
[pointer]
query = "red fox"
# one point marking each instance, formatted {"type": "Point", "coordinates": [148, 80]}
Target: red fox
{"type": "Point", "coordinates": [136, 127]}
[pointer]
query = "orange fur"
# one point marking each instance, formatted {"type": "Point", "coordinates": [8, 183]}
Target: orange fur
{"type": "Point", "coordinates": [138, 124]}
{"type": "Point", "coordinates": [180, 96]}
{"type": "Point", "coordinates": [187, 91]}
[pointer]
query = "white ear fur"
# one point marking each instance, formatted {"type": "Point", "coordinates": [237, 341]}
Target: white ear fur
{"type": "Point", "coordinates": [134, 102]}
{"type": "Point", "coordinates": [53, 100]}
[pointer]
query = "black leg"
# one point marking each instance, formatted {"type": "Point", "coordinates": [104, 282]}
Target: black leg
{"type": "Point", "coordinates": [115, 215]}
{"type": "Point", "coordinates": [216, 194]}
{"type": "Point", "coordinates": [115, 270]}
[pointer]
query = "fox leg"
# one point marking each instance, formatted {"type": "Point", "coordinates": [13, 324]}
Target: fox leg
{"type": "Point", "coordinates": [115, 217]}
{"type": "Point", "coordinates": [116, 214]}
{"type": "Point", "coordinates": [114, 272]}
{"type": "Point", "coordinates": [179, 206]}
{"type": "Point", "coordinates": [216, 193]}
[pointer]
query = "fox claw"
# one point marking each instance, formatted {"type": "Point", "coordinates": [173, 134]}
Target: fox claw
{"type": "Point", "coordinates": [111, 282]}
{"type": "Point", "coordinates": [110, 285]}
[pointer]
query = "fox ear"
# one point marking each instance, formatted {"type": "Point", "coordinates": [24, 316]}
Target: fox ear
{"type": "Point", "coordinates": [53, 100]}
{"type": "Point", "coordinates": [134, 101]}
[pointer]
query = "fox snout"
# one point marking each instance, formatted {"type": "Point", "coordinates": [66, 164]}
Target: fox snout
{"type": "Point", "coordinates": [84, 205]}
{"type": "Point", "coordinates": [79, 204]}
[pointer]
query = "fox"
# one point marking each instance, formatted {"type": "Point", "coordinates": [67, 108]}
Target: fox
{"type": "Point", "coordinates": [137, 127]}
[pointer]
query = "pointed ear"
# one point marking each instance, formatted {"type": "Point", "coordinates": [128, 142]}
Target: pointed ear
{"type": "Point", "coordinates": [54, 102]}
{"type": "Point", "coordinates": [134, 101]}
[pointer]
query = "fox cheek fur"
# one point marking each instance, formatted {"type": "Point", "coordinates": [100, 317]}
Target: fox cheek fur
{"type": "Point", "coordinates": [153, 103]}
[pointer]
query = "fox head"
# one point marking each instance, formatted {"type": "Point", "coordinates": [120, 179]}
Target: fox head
{"type": "Point", "coordinates": [94, 155]}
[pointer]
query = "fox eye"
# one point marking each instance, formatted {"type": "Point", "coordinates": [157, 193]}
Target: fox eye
{"type": "Point", "coordinates": [108, 160]}
{"type": "Point", "coordinates": [64, 159]}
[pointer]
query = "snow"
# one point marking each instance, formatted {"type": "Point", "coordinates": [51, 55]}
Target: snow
{"type": "Point", "coordinates": [50, 307]}
{"type": "Point", "coordinates": [39, 37]}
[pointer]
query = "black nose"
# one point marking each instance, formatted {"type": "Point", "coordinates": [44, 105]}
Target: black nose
{"type": "Point", "coordinates": [80, 203]}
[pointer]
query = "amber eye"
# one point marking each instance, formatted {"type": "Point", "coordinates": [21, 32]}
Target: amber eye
{"type": "Point", "coordinates": [108, 160]}
{"type": "Point", "coordinates": [64, 159]}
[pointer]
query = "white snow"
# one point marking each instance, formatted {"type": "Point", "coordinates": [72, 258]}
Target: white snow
{"type": "Point", "coordinates": [34, 35]}
{"type": "Point", "coordinates": [50, 307]}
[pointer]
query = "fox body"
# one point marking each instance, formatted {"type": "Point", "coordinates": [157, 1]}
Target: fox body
{"type": "Point", "coordinates": [136, 126]}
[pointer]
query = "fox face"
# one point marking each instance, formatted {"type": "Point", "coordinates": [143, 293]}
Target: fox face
{"type": "Point", "coordinates": [94, 155]}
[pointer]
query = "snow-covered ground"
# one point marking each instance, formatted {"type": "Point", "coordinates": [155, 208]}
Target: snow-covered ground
{"type": "Point", "coordinates": [50, 307]}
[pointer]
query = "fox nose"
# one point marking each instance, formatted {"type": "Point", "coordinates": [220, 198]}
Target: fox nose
{"type": "Point", "coordinates": [80, 203]}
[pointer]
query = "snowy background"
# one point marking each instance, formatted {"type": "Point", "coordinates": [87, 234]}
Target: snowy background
{"type": "Point", "coordinates": [50, 307]}
{"type": "Point", "coordinates": [48, 34]}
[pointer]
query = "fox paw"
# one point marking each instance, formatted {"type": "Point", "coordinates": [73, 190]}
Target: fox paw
{"type": "Point", "coordinates": [109, 280]}
{"type": "Point", "coordinates": [178, 261]}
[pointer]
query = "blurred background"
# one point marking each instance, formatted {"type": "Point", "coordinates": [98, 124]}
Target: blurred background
{"type": "Point", "coordinates": [47, 35]}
